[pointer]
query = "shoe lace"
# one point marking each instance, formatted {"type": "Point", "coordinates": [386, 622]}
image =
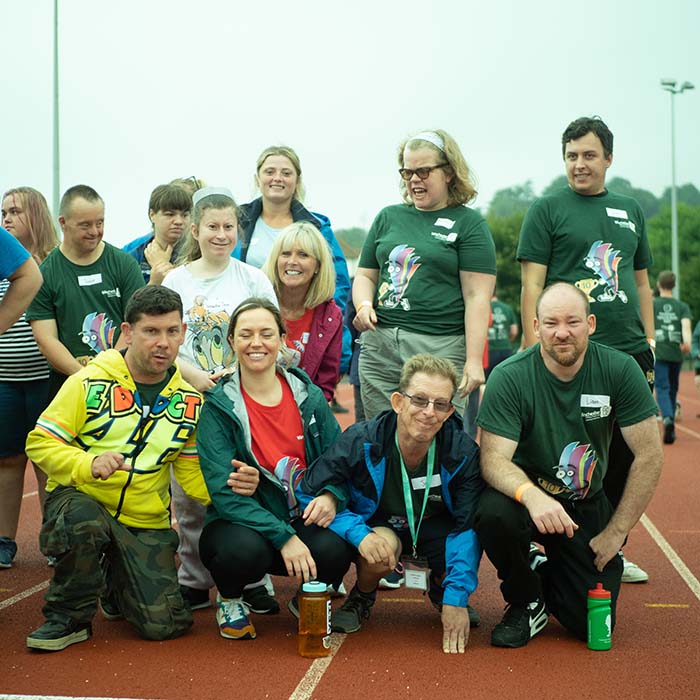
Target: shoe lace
{"type": "Point", "coordinates": [232, 610]}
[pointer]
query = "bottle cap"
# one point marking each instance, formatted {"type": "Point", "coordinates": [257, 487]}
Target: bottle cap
{"type": "Point", "coordinates": [599, 592]}
{"type": "Point", "coordinates": [314, 587]}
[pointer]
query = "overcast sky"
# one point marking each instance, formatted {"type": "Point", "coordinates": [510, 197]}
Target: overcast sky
{"type": "Point", "coordinates": [156, 89]}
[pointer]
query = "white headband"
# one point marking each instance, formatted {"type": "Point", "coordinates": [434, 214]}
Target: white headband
{"type": "Point", "coordinates": [199, 195]}
{"type": "Point", "coordinates": [430, 137]}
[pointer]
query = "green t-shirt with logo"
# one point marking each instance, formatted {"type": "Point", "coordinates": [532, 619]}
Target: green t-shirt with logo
{"type": "Point", "coordinates": [86, 301]}
{"type": "Point", "coordinates": [563, 429]}
{"type": "Point", "coordinates": [419, 255]}
{"type": "Point", "coordinates": [668, 313]}
{"type": "Point", "coordinates": [392, 505]}
{"type": "Point", "coordinates": [596, 243]}
{"type": "Point", "coordinates": [502, 318]}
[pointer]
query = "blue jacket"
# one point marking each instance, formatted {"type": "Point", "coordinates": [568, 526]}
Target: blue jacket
{"type": "Point", "coordinates": [249, 214]}
{"type": "Point", "coordinates": [137, 250]}
{"type": "Point", "coordinates": [354, 470]}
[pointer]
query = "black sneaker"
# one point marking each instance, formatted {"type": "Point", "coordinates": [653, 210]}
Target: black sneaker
{"type": "Point", "coordinates": [55, 636]}
{"type": "Point", "coordinates": [669, 432]}
{"type": "Point", "coordinates": [356, 608]}
{"type": "Point", "coordinates": [536, 556]}
{"type": "Point", "coordinates": [520, 624]}
{"type": "Point", "coordinates": [195, 598]}
{"type": "Point", "coordinates": [293, 606]}
{"type": "Point", "coordinates": [110, 610]}
{"type": "Point", "coordinates": [259, 601]}
{"type": "Point", "coordinates": [337, 408]}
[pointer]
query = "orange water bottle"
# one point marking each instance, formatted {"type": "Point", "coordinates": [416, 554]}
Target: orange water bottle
{"type": "Point", "coordinates": [314, 620]}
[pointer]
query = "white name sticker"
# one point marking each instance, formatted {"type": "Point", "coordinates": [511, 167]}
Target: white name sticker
{"type": "Point", "coordinates": [416, 579]}
{"type": "Point", "coordinates": [594, 400]}
{"type": "Point", "coordinates": [444, 222]}
{"type": "Point", "coordinates": [89, 280]}
{"type": "Point", "coordinates": [418, 484]}
{"type": "Point", "coordinates": [616, 213]}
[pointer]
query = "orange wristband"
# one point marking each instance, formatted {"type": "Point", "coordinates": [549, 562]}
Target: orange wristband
{"type": "Point", "coordinates": [521, 490]}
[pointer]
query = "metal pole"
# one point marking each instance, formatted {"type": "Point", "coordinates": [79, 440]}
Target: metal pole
{"type": "Point", "coordinates": [674, 203]}
{"type": "Point", "coordinates": [56, 133]}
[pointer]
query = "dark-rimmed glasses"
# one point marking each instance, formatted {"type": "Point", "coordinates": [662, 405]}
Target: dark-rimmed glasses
{"type": "Point", "coordinates": [440, 405]}
{"type": "Point", "coordinates": [423, 173]}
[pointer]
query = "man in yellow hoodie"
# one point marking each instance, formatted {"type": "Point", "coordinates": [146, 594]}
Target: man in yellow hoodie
{"type": "Point", "coordinates": [108, 442]}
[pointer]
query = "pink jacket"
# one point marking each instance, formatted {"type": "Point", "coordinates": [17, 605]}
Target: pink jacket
{"type": "Point", "coordinates": [321, 360]}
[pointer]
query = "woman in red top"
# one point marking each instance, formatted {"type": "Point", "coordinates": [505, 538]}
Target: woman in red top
{"type": "Point", "coordinates": [300, 267]}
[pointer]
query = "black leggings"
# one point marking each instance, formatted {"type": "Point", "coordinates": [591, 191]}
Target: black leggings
{"type": "Point", "coordinates": [237, 555]}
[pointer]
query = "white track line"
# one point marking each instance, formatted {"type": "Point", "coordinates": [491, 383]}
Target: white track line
{"type": "Point", "coordinates": [311, 678]}
{"type": "Point", "coordinates": [683, 429]}
{"type": "Point", "coordinates": [28, 495]}
{"type": "Point", "coordinates": [685, 573]}
{"type": "Point", "coordinates": [22, 596]}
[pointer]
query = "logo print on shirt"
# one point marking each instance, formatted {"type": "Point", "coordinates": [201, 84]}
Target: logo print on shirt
{"type": "Point", "coordinates": [97, 332]}
{"type": "Point", "coordinates": [401, 265]}
{"type": "Point", "coordinates": [603, 260]}
{"type": "Point", "coordinates": [207, 330]}
{"type": "Point", "coordinates": [290, 471]}
{"type": "Point", "coordinates": [575, 468]}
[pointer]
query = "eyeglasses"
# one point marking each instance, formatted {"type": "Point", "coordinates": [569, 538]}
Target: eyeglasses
{"type": "Point", "coordinates": [423, 173]}
{"type": "Point", "coordinates": [440, 405]}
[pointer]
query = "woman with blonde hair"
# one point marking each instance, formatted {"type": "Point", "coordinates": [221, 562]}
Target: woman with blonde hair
{"type": "Point", "coordinates": [300, 268]}
{"type": "Point", "coordinates": [426, 273]}
{"type": "Point", "coordinates": [24, 372]}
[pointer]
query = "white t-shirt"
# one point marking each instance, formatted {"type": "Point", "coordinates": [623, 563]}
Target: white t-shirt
{"type": "Point", "coordinates": [261, 243]}
{"type": "Point", "coordinates": [208, 304]}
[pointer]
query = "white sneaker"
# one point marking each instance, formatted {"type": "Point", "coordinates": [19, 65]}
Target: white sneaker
{"type": "Point", "coordinates": [232, 617]}
{"type": "Point", "coordinates": [632, 573]}
{"type": "Point", "coordinates": [339, 592]}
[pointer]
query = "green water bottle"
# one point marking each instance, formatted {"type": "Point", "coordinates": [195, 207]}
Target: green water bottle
{"type": "Point", "coordinates": [599, 619]}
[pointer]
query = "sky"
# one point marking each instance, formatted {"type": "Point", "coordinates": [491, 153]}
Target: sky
{"type": "Point", "coordinates": [156, 89]}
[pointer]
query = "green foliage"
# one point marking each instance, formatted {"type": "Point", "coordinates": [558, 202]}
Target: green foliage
{"type": "Point", "coordinates": [506, 231]}
{"type": "Point", "coordinates": [512, 200]}
{"type": "Point", "coordinates": [556, 184]}
{"type": "Point", "coordinates": [351, 240]}
{"type": "Point", "coordinates": [659, 232]}
{"type": "Point", "coordinates": [685, 194]}
{"type": "Point", "coordinates": [647, 200]}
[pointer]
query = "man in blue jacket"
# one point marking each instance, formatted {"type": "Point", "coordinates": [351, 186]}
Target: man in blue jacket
{"type": "Point", "coordinates": [406, 481]}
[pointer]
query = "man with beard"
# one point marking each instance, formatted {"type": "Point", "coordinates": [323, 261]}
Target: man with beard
{"type": "Point", "coordinates": [546, 424]}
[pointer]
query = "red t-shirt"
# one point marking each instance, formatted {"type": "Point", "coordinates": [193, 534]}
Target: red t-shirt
{"type": "Point", "coordinates": [299, 331]}
{"type": "Point", "coordinates": [277, 435]}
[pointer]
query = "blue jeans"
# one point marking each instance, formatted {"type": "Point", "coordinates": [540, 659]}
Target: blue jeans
{"type": "Point", "coordinates": [666, 382]}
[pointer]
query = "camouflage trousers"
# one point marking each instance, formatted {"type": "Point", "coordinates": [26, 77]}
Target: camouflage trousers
{"type": "Point", "coordinates": [97, 555]}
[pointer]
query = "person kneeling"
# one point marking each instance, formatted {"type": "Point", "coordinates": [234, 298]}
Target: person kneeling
{"type": "Point", "coordinates": [410, 480]}
{"type": "Point", "coordinates": [274, 421]}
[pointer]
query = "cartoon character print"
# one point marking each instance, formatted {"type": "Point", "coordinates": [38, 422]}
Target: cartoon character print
{"type": "Point", "coordinates": [98, 332]}
{"type": "Point", "coordinates": [603, 260]}
{"type": "Point", "coordinates": [401, 266]}
{"type": "Point", "coordinates": [575, 469]}
{"type": "Point", "coordinates": [290, 471]}
{"type": "Point", "coordinates": [208, 332]}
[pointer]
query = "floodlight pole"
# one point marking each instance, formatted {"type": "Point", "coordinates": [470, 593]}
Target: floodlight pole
{"type": "Point", "coordinates": [56, 133]}
{"type": "Point", "coordinates": [670, 86]}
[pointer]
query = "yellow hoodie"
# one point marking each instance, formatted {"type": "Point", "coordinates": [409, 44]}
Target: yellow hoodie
{"type": "Point", "coordinates": [99, 410]}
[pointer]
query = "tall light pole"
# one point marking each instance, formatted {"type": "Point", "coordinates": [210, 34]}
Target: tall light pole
{"type": "Point", "coordinates": [56, 133]}
{"type": "Point", "coordinates": [669, 85]}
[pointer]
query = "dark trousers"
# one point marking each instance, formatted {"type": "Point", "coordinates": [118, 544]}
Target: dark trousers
{"type": "Point", "coordinates": [237, 555]}
{"type": "Point", "coordinates": [620, 456]}
{"type": "Point", "coordinates": [667, 375]}
{"type": "Point", "coordinates": [87, 541]}
{"type": "Point", "coordinates": [505, 529]}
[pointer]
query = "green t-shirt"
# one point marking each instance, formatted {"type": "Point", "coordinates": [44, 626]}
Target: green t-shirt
{"type": "Point", "coordinates": [392, 506]}
{"type": "Point", "coordinates": [563, 429]}
{"type": "Point", "coordinates": [668, 313]}
{"type": "Point", "coordinates": [86, 301]}
{"type": "Point", "coordinates": [419, 255]}
{"type": "Point", "coordinates": [502, 318]}
{"type": "Point", "coordinates": [596, 243]}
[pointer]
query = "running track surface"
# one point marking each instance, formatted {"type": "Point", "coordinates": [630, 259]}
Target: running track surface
{"type": "Point", "coordinates": [397, 654]}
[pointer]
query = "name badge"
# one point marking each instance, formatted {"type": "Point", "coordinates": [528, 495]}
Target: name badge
{"type": "Point", "coordinates": [616, 213]}
{"type": "Point", "coordinates": [594, 400]}
{"type": "Point", "coordinates": [419, 482]}
{"type": "Point", "coordinates": [416, 573]}
{"type": "Point", "coordinates": [89, 280]}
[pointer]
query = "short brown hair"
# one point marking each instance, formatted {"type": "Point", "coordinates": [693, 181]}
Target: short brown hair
{"type": "Point", "coordinates": [428, 364]}
{"type": "Point", "coordinates": [666, 280]}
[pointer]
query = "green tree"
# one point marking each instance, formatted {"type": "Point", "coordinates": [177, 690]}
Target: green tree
{"type": "Point", "coordinates": [659, 231]}
{"type": "Point", "coordinates": [686, 194]}
{"type": "Point", "coordinates": [512, 200]}
{"type": "Point", "coordinates": [556, 184]}
{"type": "Point", "coordinates": [506, 231]}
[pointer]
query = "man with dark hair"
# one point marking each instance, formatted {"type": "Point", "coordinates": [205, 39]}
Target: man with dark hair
{"type": "Point", "coordinates": [108, 442]}
{"type": "Point", "coordinates": [169, 211]}
{"type": "Point", "coordinates": [546, 423]}
{"type": "Point", "coordinates": [87, 282]}
{"type": "Point", "coordinates": [596, 240]}
{"type": "Point", "coordinates": [409, 481]}
{"type": "Point", "coordinates": [673, 338]}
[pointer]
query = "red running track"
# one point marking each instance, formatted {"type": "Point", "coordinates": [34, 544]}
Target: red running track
{"type": "Point", "coordinates": [398, 653]}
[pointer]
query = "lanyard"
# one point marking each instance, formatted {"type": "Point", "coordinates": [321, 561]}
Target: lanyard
{"type": "Point", "coordinates": [408, 498]}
